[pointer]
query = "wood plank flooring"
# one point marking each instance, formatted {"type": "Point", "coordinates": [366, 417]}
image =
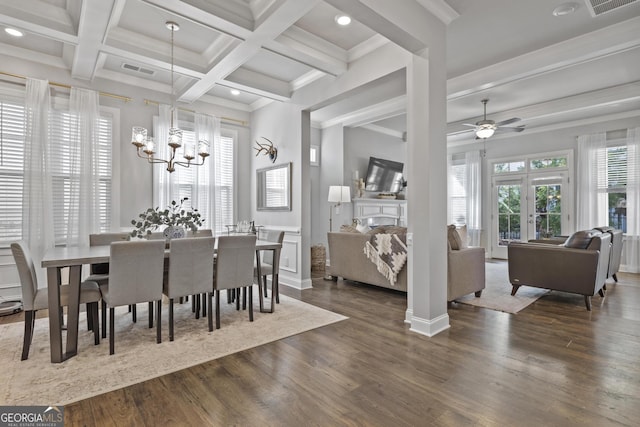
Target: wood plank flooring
{"type": "Point", "coordinates": [552, 364]}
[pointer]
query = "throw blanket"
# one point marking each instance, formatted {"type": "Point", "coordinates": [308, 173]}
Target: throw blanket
{"type": "Point", "coordinates": [388, 252]}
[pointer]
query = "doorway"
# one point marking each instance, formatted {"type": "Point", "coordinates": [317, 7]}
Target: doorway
{"type": "Point", "coordinates": [531, 199]}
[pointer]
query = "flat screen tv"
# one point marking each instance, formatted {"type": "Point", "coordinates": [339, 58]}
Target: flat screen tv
{"type": "Point", "coordinates": [384, 176]}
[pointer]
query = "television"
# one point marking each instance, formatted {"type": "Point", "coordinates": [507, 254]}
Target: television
{"type": "Point", "coordinates": [384, 176]}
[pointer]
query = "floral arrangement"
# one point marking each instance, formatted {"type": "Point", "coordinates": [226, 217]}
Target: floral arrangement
{"type": "Point", "coordinates": [175, 215]}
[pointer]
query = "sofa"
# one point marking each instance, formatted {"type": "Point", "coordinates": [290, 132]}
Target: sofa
{"type": "Point", "coordinates": [579, 265]}
{"type": "Point", "coordinates": [348, 260]}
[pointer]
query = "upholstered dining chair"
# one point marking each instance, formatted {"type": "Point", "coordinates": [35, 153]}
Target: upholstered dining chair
{"type": "Point", "coordinates": [270, 265]}
{"type": "Point", "coordinates": [135, 275]}
{"type": "Point", "coordinates": [99, 273]}
{"type": "Point", "coordinates": [234, 268]}
{"type": "Point", "coordinates": [34, 298]}
{"type": "Point", "coordinates": [190, 273]}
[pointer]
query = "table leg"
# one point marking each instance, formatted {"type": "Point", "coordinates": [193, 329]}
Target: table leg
{"type": "Point", "coordinates": [55, 326]}
{"type": "Point", "coordinates": [73, 310]}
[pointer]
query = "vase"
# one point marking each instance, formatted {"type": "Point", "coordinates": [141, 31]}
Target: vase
{"type": "Point", "coordinates": [174, 232]}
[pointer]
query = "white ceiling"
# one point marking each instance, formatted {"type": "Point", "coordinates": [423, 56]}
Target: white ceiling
{"type": "Point", "coordinates": [530, 64]}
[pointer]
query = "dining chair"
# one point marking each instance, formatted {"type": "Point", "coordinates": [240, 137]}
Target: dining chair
{"type": "Point", "coordinates": [269, 265]}
{"type": "Point", "coordinates": [234, 268]}
{"type": "Point", "coordinates": [99, 273]}
{"type": "Point", "coordinates": [135, 276]}
{"type": "Point", "coordinates": [34, 298]}
{"type": "Point", "coordinates": [203, 232]}
{"type": "Point", "coordinates": [190, 273]}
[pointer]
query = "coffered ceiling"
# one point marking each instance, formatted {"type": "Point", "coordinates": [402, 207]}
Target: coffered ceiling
{"type": "Point", "coordinates": [542, 68]}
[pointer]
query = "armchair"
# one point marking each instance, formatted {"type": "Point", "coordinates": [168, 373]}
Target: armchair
{"type": "Point", "coordinates": [465, 265]}
{"type": "Point", "coordinates": [616, 250]}
{"type": "Point", "coordinates": [579, 266]}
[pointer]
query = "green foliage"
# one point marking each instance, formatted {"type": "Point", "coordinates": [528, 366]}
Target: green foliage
{"type": "Point", "coordinates": [174, 215]}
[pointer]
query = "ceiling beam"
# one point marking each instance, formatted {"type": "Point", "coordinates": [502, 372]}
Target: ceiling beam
{"type": "Point", "coordinates": [92, 31]}
{"type": "Point", "coordinates": [278, 20]}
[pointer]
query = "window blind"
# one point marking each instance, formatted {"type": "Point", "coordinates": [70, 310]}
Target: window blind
{"type": "Point", "coordinates": [12, 139]}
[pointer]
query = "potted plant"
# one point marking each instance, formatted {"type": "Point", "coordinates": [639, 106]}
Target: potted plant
{"type": "Point", "coordinates": [175, 217]}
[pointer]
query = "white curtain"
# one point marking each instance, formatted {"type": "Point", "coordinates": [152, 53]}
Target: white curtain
{"type": "Point", "coordinates": [37, 201]}
{"type": "Point", "coordinates": [631, 248]}
{"type": "Point", "coordinates": [165, 185]}
{"type": "Point", "coordinates": [84, 203]}
{"type": "Point", "coordinates": [591, 199]}
{"type": "Point", "coordinates": [450, 184]}
{"type": "Point", "coordinates": [473, 191]}
{"type": "Point", "coordinates": [205, 194]}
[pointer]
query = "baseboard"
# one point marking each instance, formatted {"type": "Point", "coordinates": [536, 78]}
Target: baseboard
{"type": "Point", "coordinates": [296, 284]}
{"type": "Point", "coordinates": [408, 314]}
{"type": "Point", "coordinates": [429, 327]}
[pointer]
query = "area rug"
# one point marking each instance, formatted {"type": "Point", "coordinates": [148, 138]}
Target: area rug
{"type": "Point", "coordinates": [137, 357]}
{"type": "Point", "coordinates": [497, 292]}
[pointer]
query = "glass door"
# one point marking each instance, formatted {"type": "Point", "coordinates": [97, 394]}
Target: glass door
{"type": "Point", "coordinates": [527, 211]}
{"type": "Point", "coordinates": [509, 215]}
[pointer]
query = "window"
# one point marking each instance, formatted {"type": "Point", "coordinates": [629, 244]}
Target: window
{"type": "Point", "coordinates": [457, 193]}
{"type": "Point", "coordinates": [547, 163]}
{"type": "Point", "coordinates": [616, 185]}
{"type": "Point", "coordinates": [12, 134]}
{"type": "Point", "coordinates": [194, 183]}
{"type": "Point", "coordinates": [517, 166]}
{"type": "Point", "coordinates": [314, 155]}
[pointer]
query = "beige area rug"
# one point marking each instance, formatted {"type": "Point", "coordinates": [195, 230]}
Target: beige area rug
{"type": "Point", "coordinates": [497, 292]}
{"type": "Point", "coordinates": [137, 357]}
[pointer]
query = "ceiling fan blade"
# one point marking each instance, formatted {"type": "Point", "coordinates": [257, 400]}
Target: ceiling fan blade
{"type": "Point", "coordinates": [511, 129]}
{"type": "Point", "coordinates": [508, 121]}
{"type": "Point", "coordinates": [469, 124]}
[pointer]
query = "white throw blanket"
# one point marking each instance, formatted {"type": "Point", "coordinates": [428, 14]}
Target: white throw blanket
{"type": "Point", "coordinates": [388, 252]}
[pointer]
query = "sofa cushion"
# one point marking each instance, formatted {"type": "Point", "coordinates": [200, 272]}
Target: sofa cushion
{"type": "Point", "coordinates": [462, 232]}
{"type": "Point", "coordinates": [581, 239]}
{"type": "Point", "coordinates": [453, 237]}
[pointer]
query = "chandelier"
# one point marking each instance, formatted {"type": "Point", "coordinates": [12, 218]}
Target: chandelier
{"type": "Point", "coordinates": [146, 146]}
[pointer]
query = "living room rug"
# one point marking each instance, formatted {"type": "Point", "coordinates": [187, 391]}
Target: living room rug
{"type": "Point", "coordinates": [497, 292]}
{"type": "Point", "coordinates": [137, 357]}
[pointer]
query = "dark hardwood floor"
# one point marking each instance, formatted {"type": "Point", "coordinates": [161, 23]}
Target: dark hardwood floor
{"type": "Point", "coordinates": [552, 364]}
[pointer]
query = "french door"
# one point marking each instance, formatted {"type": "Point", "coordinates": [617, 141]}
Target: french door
{"type": "Point", "coordinates": [528, 206]}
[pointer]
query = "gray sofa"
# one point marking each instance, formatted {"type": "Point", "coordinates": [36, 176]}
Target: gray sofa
{"type": "Point", "coordinates": [347, 260]}
{"type": "Point", "coordinates": [578, 266]}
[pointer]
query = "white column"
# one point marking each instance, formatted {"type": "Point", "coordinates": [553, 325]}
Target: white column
{"type": "Point", "coordinates": [427, 207]}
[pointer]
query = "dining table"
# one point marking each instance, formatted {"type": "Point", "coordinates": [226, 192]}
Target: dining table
{"type": "Point", "coordinates": [74, 257]}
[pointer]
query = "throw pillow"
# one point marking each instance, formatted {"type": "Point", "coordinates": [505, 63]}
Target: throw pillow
{"type": "Point", "coordinates": [462, 231]}
{"type": "Point", "coordinates": [348, 229]}
{"type": "Point", "coordinates": [581, 239]}
{"type": "Point", "coordinates": [362, 228]}
{"type": "Point", "coordinates": [453, 237]}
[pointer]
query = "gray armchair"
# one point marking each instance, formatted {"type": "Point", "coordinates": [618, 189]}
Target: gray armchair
{"type": "Point", "coordinates": [465, 265]}
{"type": "Point", "coordinates": [578, 266]}
{"type": "Point", "coordinates": [616, 250]}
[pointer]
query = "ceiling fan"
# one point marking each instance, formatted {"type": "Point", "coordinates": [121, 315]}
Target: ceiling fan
{"type": "Point", "coordinates": [486, 128]}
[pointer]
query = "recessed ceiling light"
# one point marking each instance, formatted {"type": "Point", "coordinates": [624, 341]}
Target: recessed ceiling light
{"type": "Point", "coordinates": [13, 32]}
{"type": "Point", "coordinates": [235, 92]}
{"type": "Point", "coordinates": [343, 19]}
{"type": "Point", "coordinates": [565, 9]}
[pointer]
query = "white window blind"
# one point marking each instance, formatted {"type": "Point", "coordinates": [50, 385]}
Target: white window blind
{"type": "Point", "coordinates": [457, 195]}
{"type": "Point", "coordinates": [12, 135]}
{"type": "Point", "coordinates": [200, 192]}
{"type": "Point", "coordinates": [11, 167]}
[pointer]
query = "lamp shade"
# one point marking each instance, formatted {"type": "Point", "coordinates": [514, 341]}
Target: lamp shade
{"type": "Point", "coordinates": [339, 194]}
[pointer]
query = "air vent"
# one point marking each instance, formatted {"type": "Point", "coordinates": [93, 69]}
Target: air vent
{"type": "Point", "coordinates": [598, 7]}
{"type": "Point", "coordinates": [137, 69]}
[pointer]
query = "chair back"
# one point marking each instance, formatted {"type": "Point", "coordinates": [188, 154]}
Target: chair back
{"type": "Point", "coordinates": [27, 273]}
{"type": "Point", "coordinates": [136, 271]}
{"type": "Point", "coordinates": [103, 239]}
{"type": "Point", "coordinates": [273, 257]}
{"type": "Point", "coordinates": [206, 232]}
{"type": "Point", "coordinates": [190, 266]}
{"type": "Point", "coordinates": [234, 263]}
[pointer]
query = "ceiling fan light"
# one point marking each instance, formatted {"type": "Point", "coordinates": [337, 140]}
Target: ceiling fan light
{"type": "Point", "coordinates": [485, 131]}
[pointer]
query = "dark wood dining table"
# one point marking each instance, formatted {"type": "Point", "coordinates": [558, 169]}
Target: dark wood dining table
{"type": "Point", "coordinates": [74, 257]}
